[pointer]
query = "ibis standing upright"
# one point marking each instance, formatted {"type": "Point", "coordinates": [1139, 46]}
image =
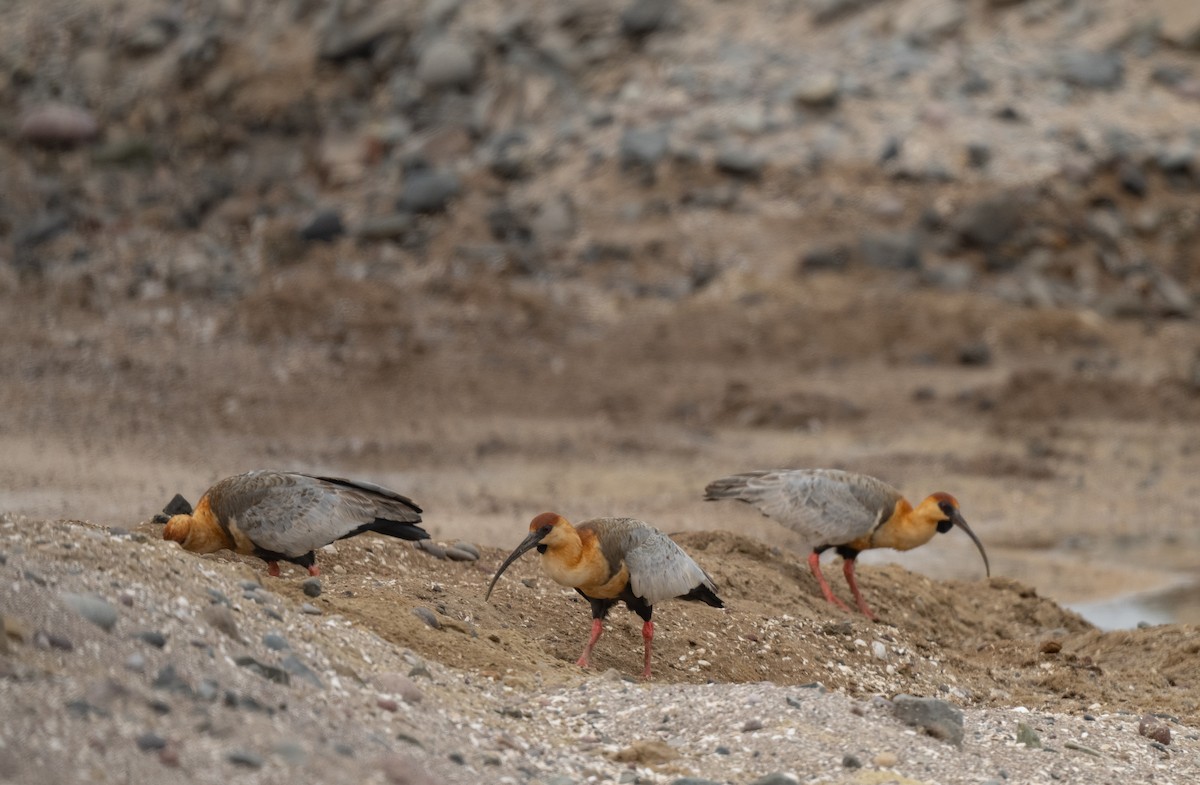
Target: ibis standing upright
{"type": "Point", "coordinates": [848, 512]}
{"type": "Point", "coordinates": [285, 516]}
{"type": "Point", "coordinates": [611, 560]}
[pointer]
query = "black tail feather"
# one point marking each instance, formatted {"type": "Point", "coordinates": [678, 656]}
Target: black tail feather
{"type": "Point", "coordinates": [704, 594]}
{"type": "Point", "coordinates": [403, 530]}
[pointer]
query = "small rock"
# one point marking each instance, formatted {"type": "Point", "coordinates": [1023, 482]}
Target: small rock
{"type": "Point", "coordinates": [1091, 69]}
{"type": "Point", "coordinates": [851, 761]}
{"type": "Point", "coordinates": [311, 587]}
{"type": "Point", "coordinates": [245, 758]}
{"type": "Point", "coordinates": [693, 781]}
{"type": "Point", "coordinates": [428, 191]}
{"type": "Point", "coordinates": [292, 752]}
{"type": "Point", "coordinates": [152, 36]}
{"type": "Point", "coordinates": [454, 554]}
{"type": "Point", "coordinates": [325, 226]}
{"type": "Point", "coordinates": [1153, 728]}
{"type": "Point", "coordinates": [752, 725]}
{"type": "Point", "coordinates": [401, 769]}
{"type": "Point", "coordinates": [885, 760]}
{"type": "Point", "coordinates": [387, 704]}
{"type": "Point", "coordinates": [386, 227]}
{"type": "Point", "coordinates": [220, 618]}
{"type": "Point", "coordinates": [1028, 736]}
{"type": "Point", "coordinates": [53, 640]}
{"type": "Point", "coordinates": [310, 609]}
{"type": "Point", "coordinates": [169, 757]}
{"type": "Point", "coordinates": [776, 778]}
{"type": "Point", "coordinates": [827, 258]}
{"type": "Point", "coordinates": [891, 251]}
{"type": "Point", "coordinates": [207, 690]}
{"type": "Point", "coordinates": [467, 547]}
{"type": "Point", "coordinates": [135, 662]}
{"type": "Point", "coordinates": [293, 665]}
{"type": "Point", "coordinates": [57, 125]}
{"type": "Point", "coordinates": [168, 679]}
{"type": "Point", "coordinates": [647, 752]}
{"type": "Point", "coordinates": [427, 616]}
{"type": "Point", "coordinates": [938, 718]}
{"type": "Point", "coordinates": [92, 607]}
{"type": "Point", "coordinates": [430, 547]}
{"type": "Point", "coordinates": [739, 162]}
{"type": "Point", "coordinates": [1051, 647]}
{"type": "Point", "coordinates": [818, 90]}
{"type": "Point", "coordinates": [148, 742]}
{"type": "Point", "coordinates": [447, 62]}
{"type": "Point", "coordinates": [878, 650]}
{"type": "Point", "coordinates": [152, 637]}
{"type": "Point", "coordinates": [394, 683]}
{"type": "Point", "coordinates": [975, 354]}
{"type": "Point", "coordinates": [269, 672]}
{"type": "Point", "coordinates": [642, 148]}
{"type": "Point", "coordinates": [643, 17]}
{"type": "Point", "coordinates": [275, 642]}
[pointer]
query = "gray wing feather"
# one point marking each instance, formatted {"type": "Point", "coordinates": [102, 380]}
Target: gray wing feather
{"type": "Point", "coordinates": [824, 506]}
{"type": "Point", "coordinates": [293, 513]}
{"type": "Point", "coordinates": [658, 568]}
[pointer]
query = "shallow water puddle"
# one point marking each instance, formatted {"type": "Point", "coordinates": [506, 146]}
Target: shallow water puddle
{"type": "Point", "coordinates": [1177, 604]}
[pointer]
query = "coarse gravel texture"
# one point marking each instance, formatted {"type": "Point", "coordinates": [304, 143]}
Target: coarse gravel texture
{"type": "Point", "coordinates": [220, 701]}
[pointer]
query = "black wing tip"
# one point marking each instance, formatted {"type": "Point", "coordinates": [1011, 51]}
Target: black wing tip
{"type": "Point", "coordinates": [404, 530]}
{"type": "Point", "coordinates": [702, 593]}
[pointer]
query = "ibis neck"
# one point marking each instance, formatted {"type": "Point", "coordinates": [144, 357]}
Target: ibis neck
{"type": "Point", "coordinates": [206, 534]}
{"type": "Point", "coordinates": [905, 529]}
{"type": "Point", "coordinates": [574, 560]}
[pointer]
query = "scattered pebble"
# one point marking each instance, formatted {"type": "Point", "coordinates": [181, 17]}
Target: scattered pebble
{"type": "Point", "coordinates": [467, 547]}
{"type": "Point", "coordinates": [294, 666]}
{"type": "Point", "coordinates": [752, 725]}
{"type": "Point", "coordinates": [311, 609]}
{"type": "Point", "coordinates": [311, 587]}
{"type": "Point", "coordinates": [244, 758]}
{"type": "Point", "coordinates": [851, 761]}
{"type": "Point", "coordinates": [57, 125]}
{"type": "Point", "coordinates": [1153, 728]}
{"type": "Point", "coordinates": [135, 662]}
{"type": "Point", "coordinates": [275, 642]}
{"type": "Point", "coordinates": [269, 672]}
{"type": "Point", "coordinates": [92, 607]}
{"type": "Point", "coordinates": [1027, 735]}
{"type": "Point", "coordinates": [148, 742]}
{"type": "Point", "coordinates": [152, 637]}
{"type": "Point", "coordinates": [221, 618]}
{"type": "Point", "coordinates": [454, 554]}
{"type": "Point", "coordinates": [427, 616]}
{"type": "Point", "coordinates": [776, 778]}
{"type": "Point", "coordinates": [885, 760]}
{"type": "Point", "coordinates": [938, 718]}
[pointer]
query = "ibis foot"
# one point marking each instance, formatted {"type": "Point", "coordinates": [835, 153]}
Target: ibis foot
{"type": "Point", "coordinates": [597, 628]}
{"type": "Point", "coordinates": [273, 569]}
{"type": "Point", "coordinates": [848, 570]}
{"type": "Point", "coordinates": [314, 570]}
{"type": "Point", "coordinates": [648, 637]}
{"type": "Point", "coordinates": [814, 564]}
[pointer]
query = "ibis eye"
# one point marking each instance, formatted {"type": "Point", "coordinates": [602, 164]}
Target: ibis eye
{"type": "Point", "coordinates": [946, 507]}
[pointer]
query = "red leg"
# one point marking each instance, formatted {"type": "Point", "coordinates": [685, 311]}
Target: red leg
{"type": "Point", "coordinates": [648, 637]}
{"type": "Point", "coordinates": [314, 570]}
{"type": "Point", "coordinates": [273, 569]}
{"type": "Point", "coordinates": [848, 569]}
{"type": "Point", "coordinates": [814, 564]}
{"type": "Point", "coordinates": [597, 628]}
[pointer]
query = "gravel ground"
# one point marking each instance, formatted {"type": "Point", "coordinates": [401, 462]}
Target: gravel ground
{"type": "Point", "coordinates": [128, 659]}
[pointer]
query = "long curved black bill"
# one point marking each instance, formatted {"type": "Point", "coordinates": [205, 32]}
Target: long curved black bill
{"type": "Point", "coordinates": [528, 544]}
{"type": "Point", "coordinates": [958, 521]}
